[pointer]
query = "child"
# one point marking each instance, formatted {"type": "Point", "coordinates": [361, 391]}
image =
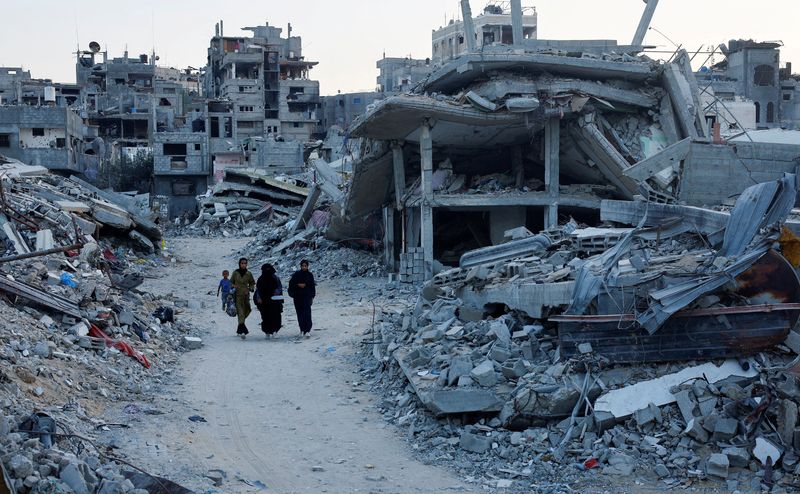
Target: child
{"type": "Point", "coordinates": [224, 287]}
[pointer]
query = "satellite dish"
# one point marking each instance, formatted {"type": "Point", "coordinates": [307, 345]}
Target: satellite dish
{"type": "Point", "coordinates": [94, 47]}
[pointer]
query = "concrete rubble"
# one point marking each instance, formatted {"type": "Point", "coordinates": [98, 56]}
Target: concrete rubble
{"type": "Point", "coordinates": [79, 337]}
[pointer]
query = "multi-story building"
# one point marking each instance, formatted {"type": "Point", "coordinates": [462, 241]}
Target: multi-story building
{"type": "Point", "coordinates": [264, 81]}
{"type": "Point", "coordinates": [492, 27]}
{"type": "Point", "coordinates": [400, 75]}
{"type": "Point", "coordinates": [36, 124]}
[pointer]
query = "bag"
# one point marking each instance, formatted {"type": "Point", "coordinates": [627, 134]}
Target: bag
{"type": "Point", "coordinates": [230, 305]}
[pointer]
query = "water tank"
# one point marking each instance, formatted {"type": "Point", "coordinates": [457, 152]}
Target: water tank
{"type": "Point", "coordinates": [49, 94]}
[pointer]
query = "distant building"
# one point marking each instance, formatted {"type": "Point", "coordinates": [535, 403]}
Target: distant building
{"type": "Point", "coordinates": [400, 75]}
{"type": "Point", "coordinates": [492, 27]}
{"type": "Point", "coordinates": [751, 75]}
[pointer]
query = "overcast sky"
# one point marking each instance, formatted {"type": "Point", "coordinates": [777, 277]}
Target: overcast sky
{"type": "Point", "coordinates": [348, 36]}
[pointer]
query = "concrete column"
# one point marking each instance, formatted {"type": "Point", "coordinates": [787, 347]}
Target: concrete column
{"type": "Point", "coordinates": [233, 70]}
{"type": "Point", "coordinates": [469, 26]}
{"type": "Point", "coordinates": [517, 168]}
{"type": "Point", "coordinates": [426, 151]}
{"type": "Point", "coordinates": [552, 136]}
{"type": "Point", "coordinates": [399, 174]}
{"type": "Point", "coordinates": [412, 228]}
{"type": "Point", "coordinates": [644, 24]}
{"type": "Point", "coordinates": [516, 21]}
{"type": "Point", "coordinates": [388, 238]}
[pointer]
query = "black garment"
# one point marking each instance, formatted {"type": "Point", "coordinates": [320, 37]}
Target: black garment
{"type": "Point", "coordinates": [268, 287]}
{"type": "Point", "coordinates": [303, 298]}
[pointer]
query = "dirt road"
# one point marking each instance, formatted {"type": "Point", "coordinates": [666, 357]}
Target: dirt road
{"type": "Point", "coordinates": [287, 413]}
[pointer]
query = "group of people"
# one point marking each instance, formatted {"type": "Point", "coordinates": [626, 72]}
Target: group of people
{"type": "Point", "coordinates": [267, 295]}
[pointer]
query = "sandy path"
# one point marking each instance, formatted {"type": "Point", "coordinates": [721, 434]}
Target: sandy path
{"type": "Point", "coordinates": [275, 409]}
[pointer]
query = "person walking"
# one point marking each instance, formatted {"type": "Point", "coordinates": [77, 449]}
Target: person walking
{"type": "Point", "coordinates": [243, 284]}
{"type": "Point", "coordinates": [269, 300]}
{"type": "Point", "coordinates": [303, 289]}
{"type": "Point", "coordinates": [225, 287]}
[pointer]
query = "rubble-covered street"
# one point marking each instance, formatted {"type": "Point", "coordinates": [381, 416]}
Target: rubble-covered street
{"type": "Point", "coordinates": [548, 266]}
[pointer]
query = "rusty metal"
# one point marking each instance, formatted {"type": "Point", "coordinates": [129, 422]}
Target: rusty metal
{"type": "Point", "coordinates": [771, 285]}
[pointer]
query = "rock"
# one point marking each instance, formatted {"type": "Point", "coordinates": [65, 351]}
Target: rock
{"type": "Point", "coordinates": [43, 349]}
{"type": "Point", "coordinates": [725, 429]}
{"type": "Point", "coordinates": [20, 466]}
{"type": "Point", "coordinates": [317, 468]}
{"type": "Point", "coordinates": [112, 487]}
{"type": "Point", "coordinates": [717, 465]}
{"type": "Point", "coordinates": [661, 470]}
{"type": "Point", "coordinates": [585, 348]}
{"type": "Point", "coordinates": [484, 374]}
{"type": "Point", "coordinates": [432, 335]}
{"type": "Point", "coordinates": [737, 457]}
{"type": "Point", "coordinates": [648, 415]}
{"type": "Point", "coordinates": [191, 343]}
{"type": "Point", "coordinates": [126, 318]}
{"type": "Point", "coordinates": [499, 353]}
{"type": "Point", "coordinates": [72, 476]}
{"type": "Point", "coordinates": [787, 420]}
{"type": "Point", "coordinates": [765, 449]}
{"type": "Point", "coordinates": [25, 375]}
{"type": "Point", "coordinates": [620, 464]}
{"type": "Point", "coordinates": [459, 366]}
{"type": "Point", "coordinates": [696, 431]}
{"type": "Point", "coordinates": [475, 443]}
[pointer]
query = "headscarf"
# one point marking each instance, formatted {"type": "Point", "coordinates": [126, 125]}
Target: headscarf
{"type": "Point", "coordinates": [240, 270]}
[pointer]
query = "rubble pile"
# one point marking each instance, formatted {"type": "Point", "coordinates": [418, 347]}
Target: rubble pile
{"type": "Point", "coordinates": [79, 336]}
{"type": "Point", "coordinates": [655, 350]}
{"type": "Point", "coordinates": [329, 259]}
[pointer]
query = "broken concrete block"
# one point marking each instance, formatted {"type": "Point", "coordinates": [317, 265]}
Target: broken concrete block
{"type": "Point", "coordinates": [765, 449]}
{"type": "Point", "coordinates": [514, 369]}
{"type": "Point", "coordinates": [475, 443]}
{"type": "Point", "coordinates": [696, 431]}
{"type": "Point", "coordinates": [686, 405]}
{"type": "Point", "coordinates": [717, 465]}
{"type": "Point", "coordinates": [725, 429]}
{"type": "Point", "coordinates": [648, 415]}
{"type": "Point", "coordinates": [737, 457]}
{"type": "Point", "coordinates": [499, 353]}
{"type": "Point", "coordinates": [787, 420]}
{"type": "Point", "coordinates": [192, 343]}
{"type": "Point", "coordinates": [432, 335]}
{"type": "Point", "coordinates": [585, 348]}
{"type": "Point", "coordinates": [459, 366]}
{"type": "Point", "coordinates": [620, 464]}
{"type": "Point", "coordinates": [484, 374]}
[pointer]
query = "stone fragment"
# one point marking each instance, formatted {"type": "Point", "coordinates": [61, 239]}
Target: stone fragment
{"type": "Point", "coordinates": [725, 429]}
{"type": "Point", "coordinates": [765, 449]}
{"type": "Point", "coordinates": [696, 431]}
{"type": "Point", "coordinates": [475, 443]}
{"type": "Point", "coordinates": [71, 475]}
{"type": "Point", "coordinates": [585, 348]}
{"type": "Point", "coordinates": [43, 349]}
{"type": "Point", "coordinates": [459, 366]}
{"type": "Point", "coordinates": [20, 466]}
{"type": "Point", "coordinates": [661, 470]}
{"type": "Point", "coordinates": [787, 420]}
{"type": "Point", "coordinates": [620, 464]}
{"type": "Point", "coordinates": [737, 457]}
{"type": "Point", "coordinates": [484, 374]}
{"type": "Point", "coordinates": [191, 343]}
{"type": "Point", "coordinates": [432, 335]}
{"type": "Point", "coordinates": [717, 465]}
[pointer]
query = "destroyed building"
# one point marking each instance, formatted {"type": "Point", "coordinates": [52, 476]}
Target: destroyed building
{"type": "Point", "coordinates": [267, 81]}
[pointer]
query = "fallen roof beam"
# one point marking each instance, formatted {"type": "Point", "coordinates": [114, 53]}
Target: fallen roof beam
{"type": "Point", "coordinates": [701, 220]}
{"type": "Point", "coordinates": [59, 304]}
{"type": "Point", "coordinates": [669, 157]}
{"type": "Point", "coordinates": [527, 199]}
{"type": "Point", "coordinates": [608, 160]}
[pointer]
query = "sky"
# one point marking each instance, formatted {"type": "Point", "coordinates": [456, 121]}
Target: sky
{"type": "Point", "coordinates": [347, 37]}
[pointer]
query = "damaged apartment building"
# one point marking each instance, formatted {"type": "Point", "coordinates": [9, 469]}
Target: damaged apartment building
{"type": "Point", "coordinates": [263, 106]}
{"type": "Point", "coordinates": [536, 132]}
{"type": "Point", "coordinates": [36, 125]}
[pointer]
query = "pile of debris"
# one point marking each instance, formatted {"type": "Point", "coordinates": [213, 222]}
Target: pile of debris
{"type": "Point", "coordinates": [80, 336]}
{"type": "Point", "coordinates": [250, 195]}
{"type": "Point", "coordinates": [663, 351]}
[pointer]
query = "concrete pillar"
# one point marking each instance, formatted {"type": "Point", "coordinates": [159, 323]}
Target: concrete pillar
{"type": "Point", "coordinates": [412, 226]}
{"type": "Point", "coordinates": [516, 21]}
{"type": "Point", "coordinates": [552, 136]}
{"type": "Point", "coordinates": [399, 174]}
{"type": "Point", "coordinates": [388, 238]}
{"type": "Point", "coordinates": [503, 219]}
{"type": "Point", "coordinates": [644, 23]}
{"type": "Point", "coordinates": [426, 152]}
{"type": "Point", "coordinates": [233, 70]}
{"type": "Point", "coordinates": [517, 168]}
{"type": "Point", "coordinates": [469, 25]}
